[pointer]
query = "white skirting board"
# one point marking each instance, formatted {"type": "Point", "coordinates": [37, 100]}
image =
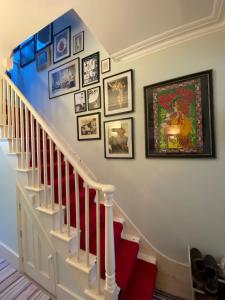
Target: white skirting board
{"type": "Point", "coordinates": [10, 255]}
{"type": "Point", "coordinates": [64, 293]}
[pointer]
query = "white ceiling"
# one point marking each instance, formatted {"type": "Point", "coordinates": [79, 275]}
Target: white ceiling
{"type": "Point", "coordinates": [124, 27]}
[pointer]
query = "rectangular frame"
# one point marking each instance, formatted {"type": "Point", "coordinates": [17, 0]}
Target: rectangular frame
{"type": "Point", "coordinates": [118, 93]}
{"type": "Point", "coordinates": [78, 42]}
{"type": "Point", "coordinates": [88, 127]}
{"type": "Point", "coordinates": [95, 98]}
{"type": "Point", "coordinates": [43, 59]}
{"type": "Point", "coordinates": [62, 45]}
{"type": "Point", "coordinates": [78, 107]}
{"type": "Point", "coordinates": [90, 69]}
{"type": "Point", "coordinates": [105, 65]}
{"type": "Point", "coordinates": [179, 117]}
{"type": "Point", "coordinates": [122, 146]}
{"type": "Point", "coordinates": [65, 87]}
{"type": "Point", "coordinates": [24, 48]}
{"type": "Point", "coordinates": [47, 30]}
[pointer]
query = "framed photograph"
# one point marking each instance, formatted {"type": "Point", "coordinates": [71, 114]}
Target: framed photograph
{"type": "Point", "coordinates": [89, 127]}
{"type": "Point", "coordinates": [119, 138]}
{"type": "Point", "coordinates": [80, 102]}
{"type": "Point", "coordinates": [64, 79]}
{"type": "Point", "coordinates": [27, 52]}
{"type": "Point", "coordinates": [118, 93]}
{"type": "Point", "coordinates": [105, 65]}
{"type": "Point", "coordinates": [43, 38]}
{"type": "Point", "coordinates": [62, 45]}
{"type": "Point", "coordinates": [90, 69]}
{"type": "Point", "coordinates": [94, 98]}
{"type": "Point", "coordinates": [78, 42]}
{"type": "Point", "coordinates": [179, 117]}
{"type": "Point", "coordinates": [43, 59]}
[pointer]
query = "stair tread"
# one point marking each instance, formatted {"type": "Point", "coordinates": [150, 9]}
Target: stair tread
{"type": "Point", "coordinates": [142, 282]}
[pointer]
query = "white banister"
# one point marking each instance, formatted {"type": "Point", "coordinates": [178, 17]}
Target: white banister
{"type": "Point", "coordinates": [98, 242]}
{"type": "Point", "coordinates": [4, 108]}
{"type": "Point", "coordinates": [17, 124]}
{"type": "Point", "coordinates": [13, 118]}
{"type": "Point", "coordinates": [52, 175]}
{"type": "Point", "coordinates": [1, 104]}
{"type": "Point", "coordinates": [60, 189]}
{"type": "Point", "coordinates": [77, 207]}
{"type": "Point", "coordinates": [87, 223]}
{"type": "Point", "coordinates": [27, 136]}
{"type": "Point", "coordinates": [33, 149]}
{"type": "Point", "coordinates": [9, 109]}
{"type": "Point", "coordinates": [67, 197]}
{"type": "Point", "coordinates": [22, 132]}
{"type": "Point", "coordinates": [45, 166]}
{"type": "Point", "coordinates": [38, 155]}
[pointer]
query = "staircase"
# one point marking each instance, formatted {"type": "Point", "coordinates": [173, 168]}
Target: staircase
{"type": "Point", "coordinates": [79, 209]}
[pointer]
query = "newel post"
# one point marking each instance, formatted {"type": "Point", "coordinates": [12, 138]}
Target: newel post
{"type": "Point", "coordinates": [111, 290]}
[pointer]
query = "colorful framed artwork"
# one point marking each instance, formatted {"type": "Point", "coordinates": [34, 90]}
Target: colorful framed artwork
{"type": "Point", "coordinates": [78, 42]}
{"type": "Point", "coordinates": [94, 98]}
{"type": "Point", "coordinates": [80, 104]}
{"type": "Point", "coordinates": [64, 79]}
{"type": "Point", "coordinates": [179, 117]}
{"type": "Point", "coordinates": [27, 52]}
{"type": "Point", "coordinates": [118, 93]}
{"type": "Point", "coordinates": [43, 38]}
{"type": "Point", "coordinates": [62, 45]}
{"type": "Point", "coordinates": [118, 138]}
{"type": "Point", "coordinates": [105, 65]}
{"type": "Point", "coordinates": [90, 69]}
{"type": "Point", "coordinates": [89, 127]}
{"type": "Point", "coordinates": [43, 59]}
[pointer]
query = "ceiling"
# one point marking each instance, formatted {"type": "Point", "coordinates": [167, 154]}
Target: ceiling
{"type": "Point", "coordinates": [126, 29]}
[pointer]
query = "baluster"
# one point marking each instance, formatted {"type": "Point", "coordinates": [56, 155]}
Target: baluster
{"type": "Point", "coordinates": [33, 149]}
{"type": "Point", "coordinates": [87, 223]}
{"type": "Point", "coordinates": [52, 175]}
{"type": "Point", "coordinates": [9, 109]}
{"type": "Point", "coordinates": [4, 108]}
{"type": "Point", "coordinates": [22, 133]}
{"type": "Point", "coordinates": [67, 197]}
{"type": "Point", "coordinates": [13, 118]}
{"type": "Point", "coordinates": [98, 242]}
{"type": "Point", "coordinates": [110, 281]}
{"type": "Point", "coordinates": [1, 103]}
{"type": "Point", "coordinates": [60, 189]}
{"type": "Point", "coordinates": [17, 124]}
{"type": "Point", "coordinates": [27, 129]}
{"type": "Point", "coordinates": [77, 196]}
{"type": "Point", "coordinates": [38, 155]}
{"type": "Point", "coordinates": [45, 166]}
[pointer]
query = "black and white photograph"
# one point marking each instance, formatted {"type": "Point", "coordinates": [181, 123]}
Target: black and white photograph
{"type": "Point", "coordinates": [94, 98]}
{"type": "Point", "coordinates": [90, 69]}
{"type": "Point", "coordinates": [105, 65]}
{"type": "Point", "coordinates": [118, 138]}
{"type": "Point", "coordinates": [118, 93]}
{"type": "Point", "coordinates": [89, 127]}
{"type": "Point", "coordinates": [62, 45]}
{"type": "Point", "coordinates": [78, 42]}
{"type": "Point", "coordinates": [80, 102]}
{"type": "Point", "coordinates": [64, 79]}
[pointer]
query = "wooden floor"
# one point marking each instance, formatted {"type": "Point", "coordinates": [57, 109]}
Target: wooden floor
{"type": "Point", "coordinates": [15, 286]}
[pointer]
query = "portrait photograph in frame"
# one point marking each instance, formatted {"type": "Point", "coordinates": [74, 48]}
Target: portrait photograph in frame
{"type": "Point", "coordinates": [78, 42]}
{"type": "Point", "coordinates": [43, 38]}
{"type": "Point", "coordinates": [64, 79]}
{"type": "Point", "coordinates": [89, 127]}
{"type": "Point", "coordinates": [118, 93]}
{"type": "Point", "coordinates": [179, 117]}
{"type": "Point", "coordinates": [106, 65]}
{"type": "Point", "coordinates": [90, 69]}
{"type": "Point", "coordinates": [62, 45]}
{"type": "Point", "coordinates": [118, 138]}
{"type": "Point", "coordinates": [94, 98]}
{"type": "Point", "coordinates": [43, 59]}
{"type": "Point", "coordinates": [80, 104]}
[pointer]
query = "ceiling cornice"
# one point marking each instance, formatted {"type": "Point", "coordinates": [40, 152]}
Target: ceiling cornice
{"type": "Point", "coordinates": [214, 22]}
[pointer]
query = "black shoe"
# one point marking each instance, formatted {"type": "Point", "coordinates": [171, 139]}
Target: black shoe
{"type": "Point", "coordinates": [197, 267]}
{"type": "Point", "coordinates": [211, 275]}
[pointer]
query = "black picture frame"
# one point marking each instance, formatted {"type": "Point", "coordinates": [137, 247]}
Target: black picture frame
{"type": "Point", "coordinates": [90, 69]}
{"type": "Point", "coordinates": [95, 102]}
{"type": "Point", "coordinates": [113, 104]}
{"type": "Point", "coordinates": [116, 131]}
{"type": "Point", "coordinates": [179, 118]}
{"type": "Point", "coordinates": [62, 39]}
{"type": "Point", "coordinates": [78, 47]}
{"type": "Point", "coordinates": [105, 69]}
{"type": "Point", "coordinates": [40, 36]}
{"type": "Point", "coordinates": [78, 107]}
{"type": "Point", "coordinates": [27, 52]}
{"type": "Point", "coordinates": [43, 59]}
{"type": "Point", "coordinates": [87, 127]}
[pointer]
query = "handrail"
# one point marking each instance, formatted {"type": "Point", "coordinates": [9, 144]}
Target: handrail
{"type": "Point", "coordinates": [105, 188]}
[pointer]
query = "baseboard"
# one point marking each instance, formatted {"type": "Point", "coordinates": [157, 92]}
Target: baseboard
{"type": "Point", "coordinates": [64, 293]}
{"type": "Point", "coordinates": [10, 255]}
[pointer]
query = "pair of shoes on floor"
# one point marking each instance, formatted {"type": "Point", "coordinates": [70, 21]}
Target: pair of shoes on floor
{"type": "Point", "coordinates": [204, 272]}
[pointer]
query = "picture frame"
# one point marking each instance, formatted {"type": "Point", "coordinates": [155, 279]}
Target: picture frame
{"type": "Point", "coordinates": [118, 93]}
{"type": "Point", "coordinates": [89, 127]}
{"type": "Point", "coordinates": [90, 69]}
{"type": "Point", "coordinates": [43, 59]}
{"type": "Point", "coordinates": [80, 104]}
{"type": "Point", "coordinates": [106, 65]}
{"type": "Point", "coordinates": [27, 52]}
{"type": "Point", "coordinates": [64, 79]}
{"type": "Point", "coordinates": [62, 45]}
{"type": "Point", "coordinates": [179, 117]}
{"type": "Point", "coordinates": [78, 42]}
{"type": "Point", "coordinates": [43, 38]}
{"type": "Point", "coordinates": [118, 138]}
{"type": "Point", "coordinates": [94, 98]}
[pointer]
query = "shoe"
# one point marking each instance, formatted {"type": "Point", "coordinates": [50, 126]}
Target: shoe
{"type": "Point", "coordinates": [211, 275]}
{"type": "Point", "coordinates": [197, 268]}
